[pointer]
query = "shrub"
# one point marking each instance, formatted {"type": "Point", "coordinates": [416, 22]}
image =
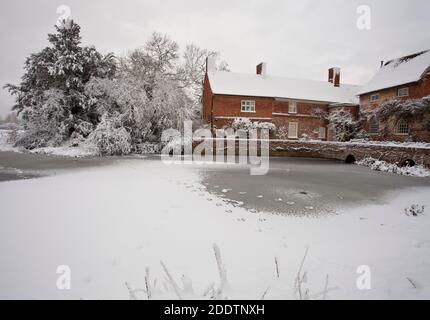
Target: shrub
{"type": "Point", "coordinates": [111, 139]}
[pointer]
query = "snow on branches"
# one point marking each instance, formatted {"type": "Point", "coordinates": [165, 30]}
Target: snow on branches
{"type": "Point", "coordinates": [248, 125]}
{"type": "Point", "coordinates": [344, 126]}
{"type": "Point", "coordinates": [74, 93]}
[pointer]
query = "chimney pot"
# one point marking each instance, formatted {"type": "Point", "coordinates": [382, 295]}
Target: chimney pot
{"type": "Point", "coordinates": [262, 69]}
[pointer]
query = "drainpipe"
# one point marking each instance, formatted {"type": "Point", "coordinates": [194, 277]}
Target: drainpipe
{"type": "Point", "coordinates": [212, 113]}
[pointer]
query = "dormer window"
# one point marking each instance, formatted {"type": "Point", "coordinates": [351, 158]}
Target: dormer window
{"type": "Point", "coordinates": [292, 107]}
{"type": "Point", "coordinates": [403, 92]}
{"type": "Point", "coordinates": [374, 97]}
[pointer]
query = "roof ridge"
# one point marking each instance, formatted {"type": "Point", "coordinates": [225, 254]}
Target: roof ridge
{"type": "Point", "coordinates": [284, 77]}
{"type": "Point", "coordinates": [406, 57]}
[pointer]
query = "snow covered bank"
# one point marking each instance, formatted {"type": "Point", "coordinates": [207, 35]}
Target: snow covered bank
{"type": "Point", "coordinates": [379, 165]}
{"type": "Point", "coordinates": [63, 151]}
{"type": "Point", "coordinates": [108, 224]}
{"type": "Point", "coordinates": [5, 145]}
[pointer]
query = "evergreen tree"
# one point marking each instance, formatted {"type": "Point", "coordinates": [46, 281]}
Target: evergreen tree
{"type": "Point", "coordinates": [63, 69]}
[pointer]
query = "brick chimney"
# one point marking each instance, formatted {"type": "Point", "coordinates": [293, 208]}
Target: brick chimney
{"type": "Point", "coordinates": [334, 76]}
{"type": "Point", "coordinates": [262, 69]}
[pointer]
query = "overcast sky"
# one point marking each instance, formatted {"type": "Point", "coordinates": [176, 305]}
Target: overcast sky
{"type": "Point", "coordinates": [296, 38]}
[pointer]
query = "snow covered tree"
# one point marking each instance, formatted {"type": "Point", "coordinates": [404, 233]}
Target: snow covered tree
{"type": "Point", "coordinates": [111, 138]}
{"type": "Point", "coordinates": [157, 59]}
{"type": "Point", "coordinates": [144, 118]}
{"type": "Point", "coordinates": [192, 70]}
{"type": "Point", "coordinates": [344, 126]}
{"type": "Point", "coordinates": [60, 70]}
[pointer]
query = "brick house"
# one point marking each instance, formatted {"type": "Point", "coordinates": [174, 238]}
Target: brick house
{"type": "Point", "coordinates": [293, 105]}
{"type": "Point", "coordinates": [405, 78]}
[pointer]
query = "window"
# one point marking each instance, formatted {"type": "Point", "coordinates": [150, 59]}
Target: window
{"type": "Point", "coordinates": [248, 106]}
{"type": "Point", "coordinates": [403, 92]}
{"type": "Point", "coordinates": [402, 127]}
{"type": "Point", "coordinates": [292, 107]}
{"type": "Point", "coordinates": [293, 130]}
{"type": "Point", "coordinates": [373, 125]}
{"type": "Point", "coordinates": [322, 133]}
{"type": "Point", "coordinates": [374, 97]}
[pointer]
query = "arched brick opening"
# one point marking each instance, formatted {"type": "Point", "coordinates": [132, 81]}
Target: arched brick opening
{"type": "Point", "coordinates": [350, 159]}
{"type": "Point", "coordinates": [408, 163]}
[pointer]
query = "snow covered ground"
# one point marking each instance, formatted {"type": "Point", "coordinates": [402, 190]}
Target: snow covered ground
{"type": "Point", "coordinates": [379, 165]}
{"type": "Point", "coordinates": [64, 151]}
{"type": "Point", "coordinates": [109, 223]}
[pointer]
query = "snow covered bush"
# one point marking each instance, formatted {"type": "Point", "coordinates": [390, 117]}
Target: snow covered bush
{"type": "Point", "coordinates": [383, 166]}
{"type": "Point", "coordinates": [248, 125]}
{"type": "Point", "coordinates": [111, 139]}
{"type": "Point", "coordinates": [415, 210]}
{"type": "Point", "coordinates": [46, 125]}
{"type": "Point", "coordinates": [147, 148]}
{"type": "Point", "coordinates": [345, 127]}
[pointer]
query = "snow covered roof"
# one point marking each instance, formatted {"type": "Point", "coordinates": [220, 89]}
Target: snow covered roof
{"type": "Point", "coordinates": [399, 71]}
{"type": "Point", "coordinates": [254, 85]}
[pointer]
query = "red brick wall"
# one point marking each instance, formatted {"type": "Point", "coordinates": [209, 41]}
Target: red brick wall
{"type": "Point", "coordinates": [227, 107]}
{"type": "Point", "coordinates": [416, 91]}
{"type": "Point", "coordinates": [207, 101]}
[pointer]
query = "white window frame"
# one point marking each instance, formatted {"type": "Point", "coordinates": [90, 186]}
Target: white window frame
{"type": "Point", "coordinates": [292, 107]}
{"type": "Point", "coordinates": [401, 126]}
{"type": "Point", "coordinates": [291, 134]}
{"type": "Point", "coordinates": [322, 133]}
{"type": "Point", "coordinates": [374, 124]}
{"type": "Point", "coordinates": [248, 106]}
{"type": "Point", "coordinates": [405, 94]}
{"type": "Point", "coordinates": [375, 97]}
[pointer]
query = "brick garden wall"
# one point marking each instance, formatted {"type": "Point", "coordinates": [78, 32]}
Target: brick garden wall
{"type": "Point", "coordinates": [341, 151]}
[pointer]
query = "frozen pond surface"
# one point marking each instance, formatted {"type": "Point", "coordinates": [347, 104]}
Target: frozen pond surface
{"type": "Point", "coordinates": [110, 219]}
{"type": "Point", "coordinates": [297, 186]}
{"type": "Point", "coordinates": [292, 186]}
